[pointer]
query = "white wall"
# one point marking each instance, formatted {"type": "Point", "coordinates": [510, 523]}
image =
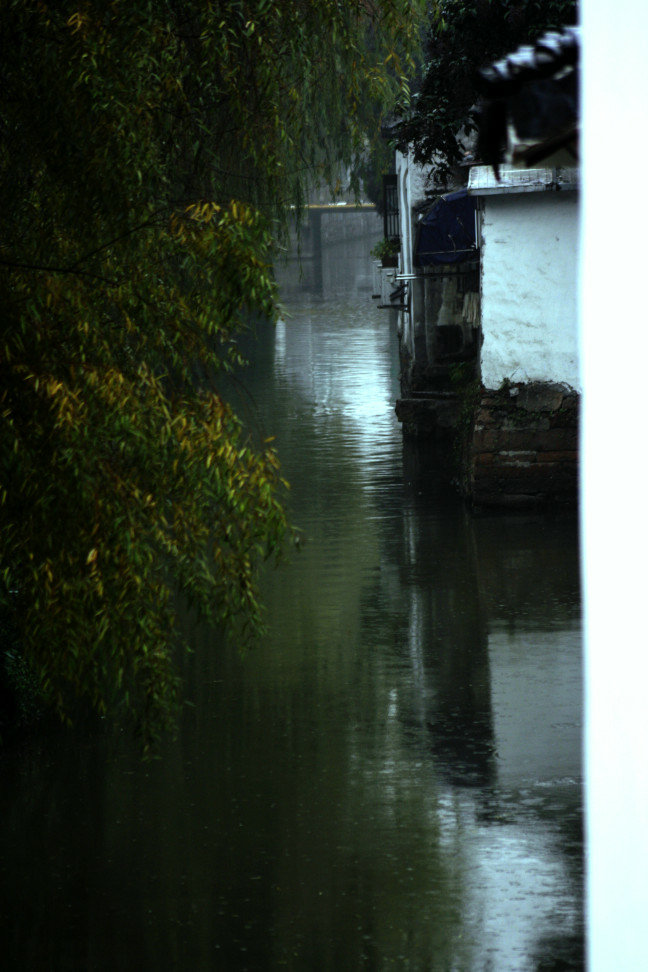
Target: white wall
{"type": "Point", "coordinates": [615, 524]}
{"type": "Point", "coordinates": [530, 249]}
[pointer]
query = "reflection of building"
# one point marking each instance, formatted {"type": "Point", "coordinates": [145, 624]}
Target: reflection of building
{"type": "Point", "coordinates": [486, 289]}
{"type": "Point", "coordinates": [492, 607]}
{"type": "Point", "coordinates": [491, 635]}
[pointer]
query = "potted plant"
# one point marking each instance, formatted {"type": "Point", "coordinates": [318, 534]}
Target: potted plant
{"type": "Point", "coordinates": [387, 252]}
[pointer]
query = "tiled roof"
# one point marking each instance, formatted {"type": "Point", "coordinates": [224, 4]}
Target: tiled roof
{"type": "Point", "coordinates": [554, 52]}
{"type": "Point", "coordinates": [530, 102]}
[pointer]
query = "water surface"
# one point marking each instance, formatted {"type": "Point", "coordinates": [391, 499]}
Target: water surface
{"type": "Point", "coordinates": [393, 779]}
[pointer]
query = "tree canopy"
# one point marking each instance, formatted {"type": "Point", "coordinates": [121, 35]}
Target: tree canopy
{"type": "Point", "coordinates": [463, 36]}
{"type": "Point", "coordinates": [150, 153]}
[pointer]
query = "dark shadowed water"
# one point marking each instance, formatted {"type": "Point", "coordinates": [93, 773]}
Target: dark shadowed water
{"type": "Point", "coordinates": [392, 780]}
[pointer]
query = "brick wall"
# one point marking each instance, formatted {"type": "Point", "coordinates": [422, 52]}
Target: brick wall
{"type": "Point", "coordinates": [523, 451]}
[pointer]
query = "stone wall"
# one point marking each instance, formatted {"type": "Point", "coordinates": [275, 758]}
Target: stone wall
{"type": "Point", "coordinates": [522, 451]}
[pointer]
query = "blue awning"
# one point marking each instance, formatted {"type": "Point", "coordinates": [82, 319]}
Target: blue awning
{"type": "Point", "coordinates": [446, 234]}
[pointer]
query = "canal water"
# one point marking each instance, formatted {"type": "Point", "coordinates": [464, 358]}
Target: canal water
{"type": "Point", "coordinates": [393, 779]}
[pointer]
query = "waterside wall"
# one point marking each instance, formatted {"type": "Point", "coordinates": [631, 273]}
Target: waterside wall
{"type": "Point", "coordinates": [522, 449]}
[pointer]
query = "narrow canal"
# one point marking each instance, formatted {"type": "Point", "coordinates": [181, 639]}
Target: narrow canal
{"type": "Point", "coordinates": [392, 780]}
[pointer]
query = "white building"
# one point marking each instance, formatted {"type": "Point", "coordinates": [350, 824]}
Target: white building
{"type": "Point", "coordinates": [529, 248]}
{"type": "Point", "coordinates": [488, 295]}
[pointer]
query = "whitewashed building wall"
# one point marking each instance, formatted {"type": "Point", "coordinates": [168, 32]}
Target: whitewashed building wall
{"type": "Point", "coordinates": [529, 288]}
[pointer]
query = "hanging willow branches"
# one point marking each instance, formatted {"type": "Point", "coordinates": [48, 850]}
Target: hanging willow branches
{"type": "Point", "coordinates": [150, 153]}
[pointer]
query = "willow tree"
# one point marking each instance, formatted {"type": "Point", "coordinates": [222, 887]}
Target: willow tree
{"type": "Point", "coordinates": [150, 153]}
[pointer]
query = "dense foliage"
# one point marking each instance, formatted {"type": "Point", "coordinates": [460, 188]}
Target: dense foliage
{"type": "Point", "coordinates": [150, 153]}
{"type": "Point", "coordinates": [463, 36]}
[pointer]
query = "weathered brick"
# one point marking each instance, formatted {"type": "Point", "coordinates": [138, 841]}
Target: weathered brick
{"type": "Point", "coordinates": [484, 416]}
{"type": "Point", "coordinates": [529, 424]}
{"type": "Point", "coordinates": [517, 458]}
{"type": "Point", "coordinates": [483, 458]}
{"type": "Point", "coordinates": [485, 440]}
{"type": "Point", "coordinates": [555, 440]}
{"type": "Point", "coordinates": [565, 418]}
{"type": "Point", "coordinates": [524, 449]}
{"type": "Point", "coordinates": [564, 456]}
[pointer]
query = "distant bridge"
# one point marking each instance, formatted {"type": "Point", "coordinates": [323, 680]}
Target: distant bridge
{"type": "Point", "coordinates": [318, 232]}
{"type": "Point", "coordinates": [340, 208]}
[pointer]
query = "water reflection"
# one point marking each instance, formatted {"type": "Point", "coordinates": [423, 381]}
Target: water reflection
{"type": "Point", "coordinates": [392, 780]}
{"type": "Point", "coordinates": [491, 639]}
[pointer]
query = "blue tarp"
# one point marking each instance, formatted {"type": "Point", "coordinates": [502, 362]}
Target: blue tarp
{"type": "Point", "coordinates": [446, 234]}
